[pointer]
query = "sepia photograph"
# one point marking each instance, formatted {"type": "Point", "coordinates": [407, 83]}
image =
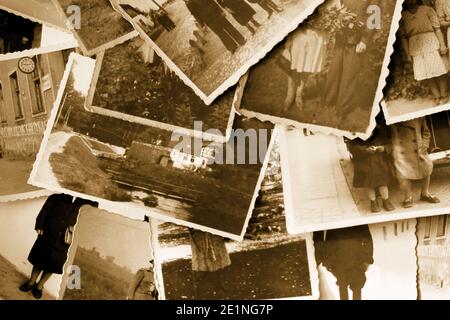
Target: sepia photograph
{"type": "Point", "coordinates": [129, 166]}
{"type": "Point", "coordinates": [368, 262]}
{"type": "Point", "coordinates": [328, 75]}
{"type": "Point", "coordinates": [36, 235]}
{"type": "Point", "coordinates": [210, 44]}
{"type": "Point", "coordinates": [20, 36]}
{"type": "Point", "coordinates": [98, 26]}
{"type": "Point", "coordinates": [28, 88]}
{"type": "Point", "coordinates": [433, 257]}
{"type": "Point", "coordinates": [402, 171]}
{"type": "Point", "coordinates": [132, 83]}
{"type": "Point", "coordinates": [267, 264]}
{"type": "Point", "coordinates": [111, 259]}
{"type": "Point", "coordinates": [418, 82]}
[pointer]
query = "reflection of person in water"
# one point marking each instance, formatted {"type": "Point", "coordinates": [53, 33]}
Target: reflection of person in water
{"type": "Point", "coordinates": [209, 255]}
{"type": "Point", "coordinates": [242, 12]}
{"type": "Point", "coordinates": [267, 5]}
{"type": "Point", "coordinates": [346, 253]}
{"type": "Point", "coordinates": [54, 226]}
{"type": "Point", "coordinates": [164, 20]}
{"type": "Point", "coordinates": [209, 13]}
{"type": "Point", "coordinates": [143, 285]}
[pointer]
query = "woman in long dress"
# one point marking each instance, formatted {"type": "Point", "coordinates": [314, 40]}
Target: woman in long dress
{"type": "Point", "coordinates": [424, 44]}
{"type": "Point", "coordinates": [306, 51]}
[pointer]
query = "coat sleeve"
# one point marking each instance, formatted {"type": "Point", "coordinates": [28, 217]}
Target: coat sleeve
{"type": "Point", "coordinates": [46, 208]}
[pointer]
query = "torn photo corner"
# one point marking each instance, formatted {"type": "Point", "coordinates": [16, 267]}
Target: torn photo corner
{"type": "Point", "coordinates": [402, 171]}
{"type": "Point", "coordinates": [23, 36]}
{"type": "Point", "coordinates": [328, 75]}
{"type": "Point", "coordinates": [127, 259]}
{"type": "Point", "coordinates": [211, 44]}
{"type": "Point", "coordinates": [417, 84]}
{"type": "Point", "coordinates": [29, 86]}
{"type": "Point", "coordinates": [368, 262]}
{"type": "Point", "coordinates": [95, 24]}
{"type": "Point", "coordinates": [132, 83]}
{"type": "Point", "coordinates": [127, 166]}
{"type": "Point", "coordinates": [195, 265]}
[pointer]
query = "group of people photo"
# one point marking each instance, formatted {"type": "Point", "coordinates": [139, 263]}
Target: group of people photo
{"type": "Point", "coordinates": [331, 62]}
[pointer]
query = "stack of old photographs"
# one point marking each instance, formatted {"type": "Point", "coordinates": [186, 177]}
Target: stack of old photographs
{"type": "Point", "coordinates": [224, 149]}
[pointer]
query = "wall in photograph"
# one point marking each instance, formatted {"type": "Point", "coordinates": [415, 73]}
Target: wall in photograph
{"type": "Point", "coordinates": [379, 259]}
{"type": "Point", "coordinates": [17, 236]}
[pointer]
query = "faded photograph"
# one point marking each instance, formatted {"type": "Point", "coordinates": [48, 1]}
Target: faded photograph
{"type": "Point", "coordinates": [328, 75]}
{"type": "Point", "coordinates": [433, 258]}
{"type": "Point", "coordinates": [36, 236]}
{"type": "Point", "coordinates": [367, 262]}
{"type": "Point", "coordinates": [132, 83]}
{"type": "Point", "coordinates": [267, 264]}
{"type": "Point", "coordinates": [135, 167]}
{"type": "Point", "coordinates": [418, 82]}
{"type": "Point", "coordinates": [111, 259]}
{"type": "Point", "coordinates": [98, 26]}
{"type": "Point", "coordinates": [216, 40]}
{"type": "Point", "coordinates": [401, 171]}
{"type": "Point", "coordinates": [28, 88]}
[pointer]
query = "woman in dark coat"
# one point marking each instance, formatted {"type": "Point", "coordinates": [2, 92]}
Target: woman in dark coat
{"type": "Point", "coordinates": [347, 254]}
{"type": "Point", "coordinates": [54, 225]}
{"type": "Point", "coordinates": [372, 168]}
{"type": "Point", "coordinates": [242, 12]}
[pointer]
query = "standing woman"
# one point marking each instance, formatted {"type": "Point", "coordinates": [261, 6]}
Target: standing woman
{"type": "Point", "coordinates": [424, 44]}
{"type": "Point", "coordinates": [55, 225]}
{"type": "Point", "coordinates": [267, 5]}
{"type": "Point", "coordinates": [410, 143]}
{"type": "Point", "coordinates": [242, 12]}
{"type": "Point", "coordinates": [306, 51]}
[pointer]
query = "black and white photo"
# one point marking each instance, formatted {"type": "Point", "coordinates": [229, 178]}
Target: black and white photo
{"type": "Point", "coordinates": [418, 81]}
{"type": "Point", "coordinates": [328, 75]}
{"type": "Point", "coordinates": [210, 44]}
{"type": "Point", "coordinates": [129, 166]}
{"type": "Point", "coordinates": [402, 171]}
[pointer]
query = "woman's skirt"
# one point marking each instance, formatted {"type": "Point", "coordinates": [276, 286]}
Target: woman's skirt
{"type": "Point", "coordinates": [307, 52]}
{"type": "Point", "coordinates": [46, 257]}
{"type": "Point", "coordinates": [427, 61]}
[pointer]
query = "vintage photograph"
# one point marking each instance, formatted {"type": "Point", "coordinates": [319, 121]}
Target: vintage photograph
{"type": "Point", "coordinates": [28, 88]}
{"type": "Point", "coordinates": [267, 264]}
{"type": "Point", "coordinates": [402, 171]}
{"type": "Point", "coordinates": [433, 257]}
{"type": "Point", "coordinates": [129, 166]}
{"type": "Point", "coordinates": [36, 236]}
{"type": "Point", "coordinates": [100, 27]}
{"type": "Point", "coordinates": [111, 259]}
{"type": "Point", "coordinates": [132, 83]}
{"type": "Point", "coordinates": [368, 262]}
{"type": "Point", "coordinates": [418, 81]}
{"type": "Point", "coordinates": [328, 75]}
{"type": "Point", "coordinates": [40, 11]}
{"type": "Point", "coordinates": [210, 44]}
{"type": "Point", "coordinates": [19, 34]}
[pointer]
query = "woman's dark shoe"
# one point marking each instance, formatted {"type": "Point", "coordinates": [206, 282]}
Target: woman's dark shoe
{"type": "Point", "coordinates": [408, 203]}
{"type": "Point", "coordinates": [26, 287]}
{"type": "Point", "coordinates": [374, 206]}
{"type": "Point", "coordinates": [429, 198]}
{"type": "Point", "coordinates": [387, 205]}
{"type": "Point", "coordinates": [37, 293]}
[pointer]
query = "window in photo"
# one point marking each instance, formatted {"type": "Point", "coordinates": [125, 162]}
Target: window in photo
{"type": "Point", "coordinates": [2, 106]}
{"type": "Point", "coordinates": [16, 96]}
{"type": "Point", "coordinates": [441, 226]}
{"type": "Point", "coordinates": [38, 105]}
